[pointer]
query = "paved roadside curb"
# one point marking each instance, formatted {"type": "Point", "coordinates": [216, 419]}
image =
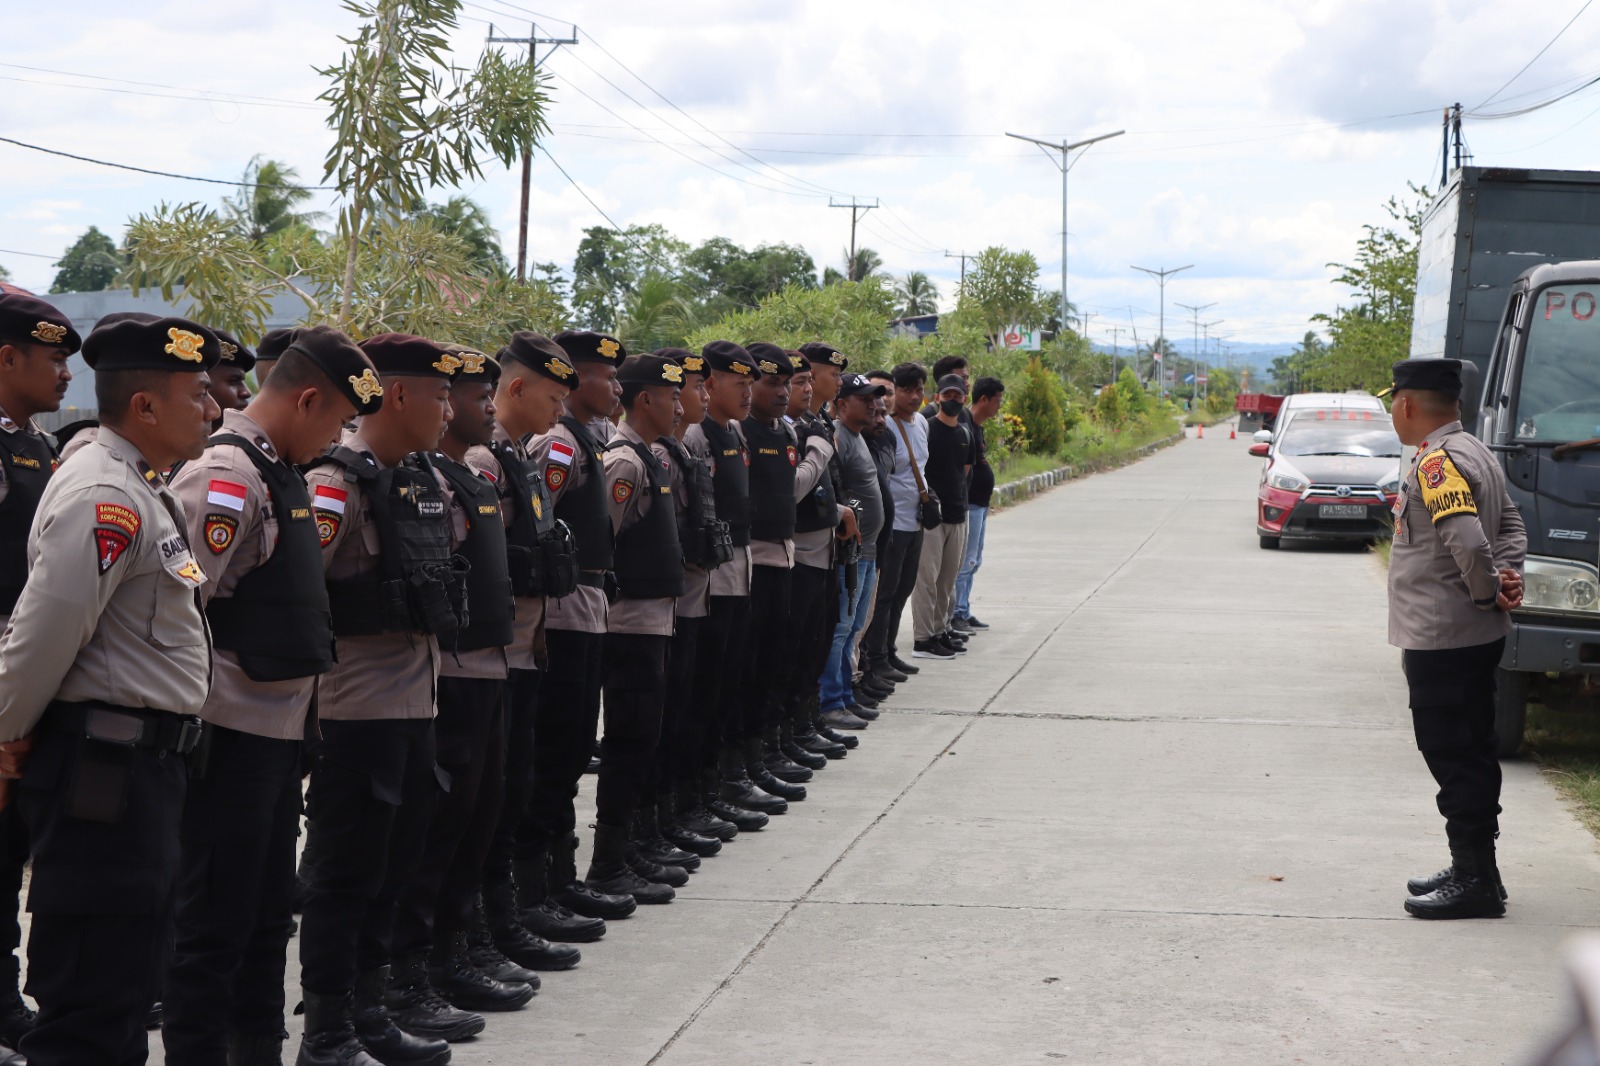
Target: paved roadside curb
{"type": "Point", "coordinates": [1013, 492]}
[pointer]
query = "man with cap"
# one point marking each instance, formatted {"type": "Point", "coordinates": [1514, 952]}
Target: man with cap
{"type": "Point", "coordinates": [267, 352]}
{"type": "Point", "coordinates": [103, 668]}
{"type": "Point", "coordinates": [536, 376]}
{"type": "Point", "coordinates": [36, 341]}
{"type": "Point", "coordinates": [571, 459]}
{"type": "Point", "coordinates": [719, 660]}
{"type": "Point", "coordinates": [387, 531]}
{"type": "Point", "coordinates": [228, 385]}
{"type": "Point", "coordinates": [944, 546]}
{"type": "Point", "coordinates": [435, 914]}
{"type": "Point", "coordinates": [643, 490]}
{"type": "Point", "coordinates": [1455, 574]}
{"type": "Point", "coordinates": [248, 514]}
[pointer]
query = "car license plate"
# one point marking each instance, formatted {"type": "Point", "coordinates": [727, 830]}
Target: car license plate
{"type": "Point", "coordinates": [1342, 510]}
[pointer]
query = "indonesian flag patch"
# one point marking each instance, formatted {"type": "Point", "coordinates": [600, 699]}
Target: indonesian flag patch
{"type": "Point", "coordinates": [561, 452]}
{"type": "Point", "coordinates": [229, 494]}
{"type": "Point", "coordinates": [328, 498]}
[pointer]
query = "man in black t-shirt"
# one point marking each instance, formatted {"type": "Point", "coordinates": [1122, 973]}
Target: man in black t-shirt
{"type": "Point", "coordinates": [943, 547]}
{"type": "Point", "coordinates": [987, 395]}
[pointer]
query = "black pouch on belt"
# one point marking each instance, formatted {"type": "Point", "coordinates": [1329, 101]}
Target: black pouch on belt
{"type": "Point", "coordinates": [97, 790]}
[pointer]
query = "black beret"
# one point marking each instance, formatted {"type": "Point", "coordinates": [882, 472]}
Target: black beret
{"type": "Point", "coordinates": [691, 363]}
{"type": "Point", "coordinates": [273, 344]}
{"type": "Point", "coordinates": [1429, 375]}
{"type": "Point", "coordinates": [345, 364]}
{"type": "Point", "coordinates": [234, 353]}
{"type": "Point", "coordinates": [818, 352]}
{"type": "Point", "coordinates": [648, 370]}
{"type": "Point", "coordinates": [406, 355]}
{"type": "Point", "coordinates": [541, 355]}
{"type": "Point", "coordinates": [476, 368]}
{"type": "Point", "coordinates": [797, 362]}
{"type": "Point", "coordinates": [174, 344]}
{"type": "Point", "coordinates": [856, 385]}
{"type": "Point", "coordinates": [124, 316]}
{"type": "Point", "coordinates": [27, 319]}
{"type": "Point", "coordinates": [770, 359]}
{"type": "Point", "coordinates": [730, 358]}
{"type": "Point", "coordinates": [594, 347]}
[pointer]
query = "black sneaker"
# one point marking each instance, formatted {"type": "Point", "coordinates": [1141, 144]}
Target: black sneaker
{"type": "Point", "coordinates": [973, 623]}
{"type": "Point", "coordinates": [955, 647]}
{"type": "Point", "coordinates": [885, 672]}
{"type": "Point", "coordinates": [932, 649]}
{"type": "Point", "coordinates": [959, 627]}
{"type": "Point", "coordinates": [901, 665]}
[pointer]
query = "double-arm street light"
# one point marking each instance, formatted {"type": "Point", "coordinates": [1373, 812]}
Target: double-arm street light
{"type": "Point", "coordinates": [1065, 164]}
{"type": "Point", "coordinates": [1162, 276]}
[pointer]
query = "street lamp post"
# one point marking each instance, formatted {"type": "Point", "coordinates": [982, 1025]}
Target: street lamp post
{"type": "Point", "coordinates": [1065, 165]}
{"type": "Point", "coordinates": [1161, 276]}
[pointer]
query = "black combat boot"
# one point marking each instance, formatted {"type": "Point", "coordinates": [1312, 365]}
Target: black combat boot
{"type": "Point", "coordinates": [764, 778]}
{"type": "Point", "coordinates": [777, 761]}
{"type": "Point", "coordinates": [512, 939]}
{"type": "Point", "coordinates": [695, 796]}
{"type": "Point", "coordinates": [1421, 886]}
{"type": "Point", "coordinates": [541, 915]}
{"type": "Point", "coordinates": [790, 747]}
{"type": "Point", "coordinates": [330, 1036]}
{"type": "Point", "coordinates": [246, 1050]}
{"type": "Point", "coordinates": [15, 1017]}
{"type": "Point", "coordinates": [740, 791]}
{"type": "Point", "coordinates": [466, 987]}
{"type": "Point", "coordinates": [410, 1017]}
{"type": "Point", "coordinates": [827, 732]}
{"type": "Point", "coordinates": [654, 846]}
{"type": "Point", "coordinates": [701, 844]}
{"type": "Point", "coordinates": [1472, 890]}
{"type": "Point", "coordinates": [488, 959]}
{"type": "Point", "coordinates": [609, 872]}
{"type": "Point", "coordinates": [579, 896]}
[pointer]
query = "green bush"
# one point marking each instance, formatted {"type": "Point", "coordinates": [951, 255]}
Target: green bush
{"type": "Point", "coordinates": [1039, 399]}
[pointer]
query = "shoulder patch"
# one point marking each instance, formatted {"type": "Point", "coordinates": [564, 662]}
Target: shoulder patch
{"type": "Point", "coordinates": [555, 475]}
{"type": "Point", "coordinates": [118, 515]}
{"type": "Point", "coordinates": [621, 490]}
{"type": "Point", "coordinates": [1444, 491]}
{"type": "Point", "coordinates": [220, 530]}
{"type": "Point", "coordinates": [229, 494]}
{"type": "Point", "coordinates": [327, 526]}
{"type": "Point", "coordinates": [561, 452]}
{"type": "Point", "coordinates": [329, 499]}
{"type": "Point", "coordinates": [794, 458]}
{"type": "Point", "coordinates": [109, 544]}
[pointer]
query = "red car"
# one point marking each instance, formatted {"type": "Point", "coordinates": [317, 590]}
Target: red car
{"type": "Point", "coordinates": [1328, 475]}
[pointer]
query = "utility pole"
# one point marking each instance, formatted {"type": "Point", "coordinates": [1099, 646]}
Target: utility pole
{"type": "Point", "coordinates": [1116, 331]}
{"type": "Point", "coordinates": [1065, 164]}
{"type": "Point", "coordinates": [1161, 276]}
{"type": "Point", "coordinates": [1194, 393]}
{"type": "Point", "coordinates": [533, 40]}
{"type": "Point", "coordinates": [963, 256]}
{"type": "Point", "coordinates": [1205, 351]}
{"type": "Point", "coordinates": [856, 211]}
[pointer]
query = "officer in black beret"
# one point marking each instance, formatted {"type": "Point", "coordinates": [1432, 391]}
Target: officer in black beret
{"type": "Point", "coordinates": [249, 516]}
{"type": "Point", "coordinates": [36, 341]}
{"type": "Point", "coordinates": [597, 357]}
{"type": "Point", "coordinates": [96, 726]}
{"type": "Point", "coordinates": [1455, 576]}
{"type": "Point", "coordinates": [267, 352]}
{"type": "Point", "coordinates": [228, 385]}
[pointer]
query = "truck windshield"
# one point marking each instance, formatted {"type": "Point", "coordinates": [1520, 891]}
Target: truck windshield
{"type": "Point", "coordinates": [1558, 397]}
{"type": "Point", "coordinates": [1309, 436]}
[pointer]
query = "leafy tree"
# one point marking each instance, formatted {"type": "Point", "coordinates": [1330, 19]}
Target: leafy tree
{"type": "Point", "coordinates": [1002, 288]}
{"type": "Point", "coordinates": [725, 277]}
{"type": "Point", "coordinates": [269, 201]}
{"type": "Point", "coordinates": [831, 276]}
{"type": "Point", "coordinates": [464, 217]}
{"type": "Point", "coordinates": [866, 264]}
{"type": "Point", "coordinates": [917, 294]}
{"type": "Point", "coordinates": [5, 275]}
{"type": "Point", "coordinates": [90, 265]}
{"type": "Point", "coordinates": [851, 316]}
{"type": "Point", "coordinates": [1287, 371]}
{"type": "Point", "coordinates": [611, 264]}
{"type": "Point", "coordinates": [657, 314]}
{"type": "Point", "coordinates": [1040, 401]}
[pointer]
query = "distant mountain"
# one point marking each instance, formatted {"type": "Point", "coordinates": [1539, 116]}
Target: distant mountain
{"type": "Point", "coordinates": [1242, 354]}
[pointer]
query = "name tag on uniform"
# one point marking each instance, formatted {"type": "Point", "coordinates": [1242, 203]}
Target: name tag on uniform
{"type": "Point", "coordinates": [24, 461]}
{"type": "Point", "coordinates": [430, 508]}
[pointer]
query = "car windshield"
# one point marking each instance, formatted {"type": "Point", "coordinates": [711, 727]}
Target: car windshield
{"type": "Point", "coordinates": [1558, 397]}
{"type": "Point", "coordinates": [1363, 433]}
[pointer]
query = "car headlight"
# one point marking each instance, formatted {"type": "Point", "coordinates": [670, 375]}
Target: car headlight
{"type": "Point", "coordinates": [1288, 479]}
{"type": "Point", "coordinates": [1560, 586]}
{"type": "Point", "coordinates": [1391, 487]}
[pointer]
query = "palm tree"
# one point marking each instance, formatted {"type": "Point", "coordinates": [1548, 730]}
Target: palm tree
{"type": "Point", "coordinates": [267, 202]}
{"type": "Point", "coordinates": [657, 314]}
{"type": "Point", "coordinates": [917, 295]}
{"type": "Point", "coordinates": [463, 217]}
{"type": "Point", "coordinates": [866, 264]}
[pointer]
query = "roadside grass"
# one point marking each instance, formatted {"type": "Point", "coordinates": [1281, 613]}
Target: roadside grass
{"type": "Point", "coordinates": [1017, 467]}
{"type": "Point", "coordinates": [1566, 745]}
{"type": "Point", "coordinates": [1087, 445]}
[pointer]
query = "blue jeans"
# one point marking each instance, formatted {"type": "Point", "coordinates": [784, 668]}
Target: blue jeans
{"type": "Point", "coordinates": [977, 522]}
{"type": "Point", "coordinates": [836, 675]}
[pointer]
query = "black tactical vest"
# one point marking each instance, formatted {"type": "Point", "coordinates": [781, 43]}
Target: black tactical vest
{"type": "Point", "coordinates": [419, 586]}
{"type": "Point", "coordinates": [29, 461]}
{"type": "Point", "coordinates": [773, 457]}
{"type": "Point", "coordinates": [542, 554]}
{"type": "Point", "coordinates": [730, 479]}
{"type": "Point", "coordinates": [583, 509]}
{"type": "Point", "coordinates": [820, 507]}
{"type": "Point", "coordinates": [489, 580]}
{"type": "Point", "coordinates": [277, 620]}
{"type": "Point", "coordinates": [704, 537]}
{"type": "Point", "coordinates": [649, 562]}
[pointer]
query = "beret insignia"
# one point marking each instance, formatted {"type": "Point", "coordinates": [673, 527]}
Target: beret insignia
{"type": "Point", "coordinates": [609, 348]}
{"type": "Point", "coordinates": [220, 529]}
{"type": "Point", "coordinates": [799, 362]}
{"type": "Point", "coordinates": [185, 345]}
{"type": "Point", "coordinates": [673, 373]}
{"type": "Point", "coordinates": [559, 369]}
{"type": "Point", "coordinates": [741, 368]}
{"type": "Point", "coordinates": [472, 362]}
{"type": "Point", "coordinates": [837, 359]}
{"type": "Point", "coordinates": [49, 332]}
{"type": "Point", "coordinates": [767, 366]}
{"type": "Point", "coordinates": [694, 364]}
{"type": "Point", "coordinates": [447, 364]}
{"type": "Point", "coordinates": [229, 350]}
{"type": "Point", "coordinates": [621, 490]}
{"type": "Point", "coordinates": [366, 386]}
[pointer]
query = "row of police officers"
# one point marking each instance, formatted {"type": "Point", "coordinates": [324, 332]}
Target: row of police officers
{"type": "Point", "coordinates": [418, 575]}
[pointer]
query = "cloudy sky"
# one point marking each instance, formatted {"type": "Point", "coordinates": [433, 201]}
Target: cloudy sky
{"type": "Point", "coordinates": [1260, 135]}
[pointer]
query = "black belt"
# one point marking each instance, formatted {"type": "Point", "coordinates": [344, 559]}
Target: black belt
{"type": "Point", "coordinates": [130, 727]}
{"type": "Point", "coordinates": [594, 579]}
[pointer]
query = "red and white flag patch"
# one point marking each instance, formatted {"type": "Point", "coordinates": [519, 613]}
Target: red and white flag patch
{"type": "Point", "coordinates": [327, 498]}
{"type": "Point", "coordinates": [561, 452]}
{"type": "Point", "coordinates": [228, 494]}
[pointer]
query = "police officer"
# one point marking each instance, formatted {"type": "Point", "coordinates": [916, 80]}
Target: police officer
{"type": "Point", "coordinates": [249, 516]}
{"type": "Point", "coordinates": [1454, 576]}
{"type": "Point", "coordinates": [642, 490]}
{"type": "Point", "coordinates": [228, 385]}
{"type": "Point", "coordinates": [36, 341]}
{"type": "Point", "coordinates": [571, 460]}
{"type": "Point", "coordinates": [385, 529]}
{"type": "Point", "coordinates": [719, 665]}
{"type": "Point", "coordinates": [267, 352]}
{"type": "Point", "coordinates": [536, 376]}
{"type": "Point", "coordinates": [103, 668]}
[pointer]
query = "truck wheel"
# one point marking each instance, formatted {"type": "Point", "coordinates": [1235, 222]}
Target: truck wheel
{"type": "Point", "coordinates": [1266, 541]}
{"type": "Point", "coordinates": [1510, 710]}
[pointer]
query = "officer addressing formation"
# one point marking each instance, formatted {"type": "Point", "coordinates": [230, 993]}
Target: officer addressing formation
{"type": "Point", "coordinates": [400, 588]}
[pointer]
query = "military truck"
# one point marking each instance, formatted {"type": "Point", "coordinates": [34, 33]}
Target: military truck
{"type": "Point", "coordinates": [1508, 280]}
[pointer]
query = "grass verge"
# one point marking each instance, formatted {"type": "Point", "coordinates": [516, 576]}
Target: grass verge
{"type": "Point", "coordinates": [1566, 745]}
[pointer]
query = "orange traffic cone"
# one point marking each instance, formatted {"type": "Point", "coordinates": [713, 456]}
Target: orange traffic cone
{"type": "Point", "coordinates": [1232, 433]}
{"type": "Point", "coordinates": [1199, 431]}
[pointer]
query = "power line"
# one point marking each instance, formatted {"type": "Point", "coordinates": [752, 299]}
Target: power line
{"type": "Point", "coordinates": [619, 230]}
{"type": "Point", "coordinates": [169, 174]}
{"type": "Point", "coordinates": [1517, 113]}
{"type": "Point", "coordinates": [151, 85]}
{"type": "Point", "coordinates": [36, 255]}
{"type": "Point", "coordinates": [1537, 54]}
{"type": "Point", "coordinates": [219, 98]}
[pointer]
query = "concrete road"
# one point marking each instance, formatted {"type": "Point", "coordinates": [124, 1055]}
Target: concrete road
{"type": "Point", "coordinates": [1163, 812]}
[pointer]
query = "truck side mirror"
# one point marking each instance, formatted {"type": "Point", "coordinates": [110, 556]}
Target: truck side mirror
{"type": "Point", "coordinates": [1263, 436]}
{"type": "Point", "coordinates": [1261, 451]}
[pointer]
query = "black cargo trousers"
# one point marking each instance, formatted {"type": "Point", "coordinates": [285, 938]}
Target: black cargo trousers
{"type": "Point", "coordinates": [1452, 712]}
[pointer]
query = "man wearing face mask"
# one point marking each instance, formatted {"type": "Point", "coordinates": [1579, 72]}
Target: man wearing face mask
{"type": "Point", "coordinates": [949, 446]}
